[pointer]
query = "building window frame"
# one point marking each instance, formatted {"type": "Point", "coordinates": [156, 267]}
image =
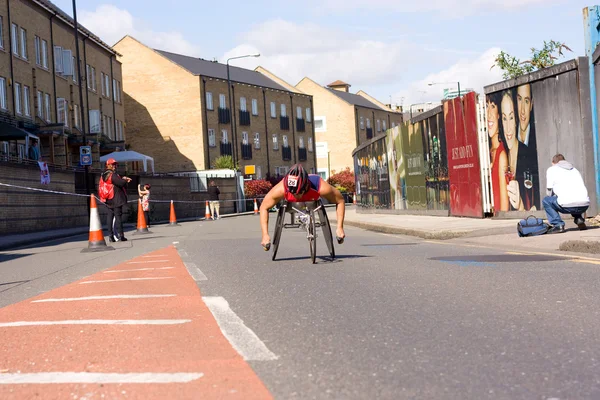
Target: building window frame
{"type": "Point", "coordinates": [18, 104]}
{"type": "Point", "coordinates": [23, 35]}
{"type": "Point", "coordinates": [212, 138]}
{"type": "Point", "coordinates": [209, 102]}
{"type": "Point", "coordinates": [257, 140]}
{"type": "Point", "coordinates": [323, 120]}
{"type": "Point", "coordinates": [47, 107]}
{"type": "Point", "coordinates": [275, 142]}
{"type": "Point", "coordinates": [14, 32]}
{"type": "Point", "coordinates": [273, 110]}
{"type": "Point", "coordinates": [26, 101]}
{"type": "Point", "coordinates": [3, 97]}
{"type": "Point", "coordinates": [254, 107]}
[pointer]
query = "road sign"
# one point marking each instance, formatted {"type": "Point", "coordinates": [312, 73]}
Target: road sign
{"type": "Point", "coordinates": [85, 155]}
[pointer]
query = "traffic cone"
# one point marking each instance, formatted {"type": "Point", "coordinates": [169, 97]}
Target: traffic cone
{"type": "Point", "coordinates": [96, 240]}
{"type": "Point", "coordinates": [207, 212]}
{"type": "Point", "coordinates": [255, 208]}
{"type": "Point", "coordinates": [172, 217]}
{"type": "Point", "coordinates": [354, 200]}
{"type": "Point", "coordinates": [142, 228]}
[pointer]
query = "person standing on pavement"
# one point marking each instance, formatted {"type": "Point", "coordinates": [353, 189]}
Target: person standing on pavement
{"type": "Point", "coordinates": [567, 194]}
{"type": "Point", "coordinates": [118, 200]}
{"type": "Point", "coordinates": [213, 198]}
{"type": "Point", "coordinates": [144, 194]}
{"type": "Point", "coordinates": [34, 151]}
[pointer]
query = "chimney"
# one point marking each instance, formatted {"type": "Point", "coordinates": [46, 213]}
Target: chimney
{"type": "Point", "coordinates": [339, 86]}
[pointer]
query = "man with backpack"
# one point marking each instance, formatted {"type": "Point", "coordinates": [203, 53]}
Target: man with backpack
{"type": "Point", "coordinates": [112, 192]}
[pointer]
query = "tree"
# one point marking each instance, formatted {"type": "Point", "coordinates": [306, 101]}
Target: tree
{"type": "Point", "coordinates": [343, 181]}
{"type": "Point", "coordinates": [512, 67]}
{"type": "Point", "coordinates": [224, 162]}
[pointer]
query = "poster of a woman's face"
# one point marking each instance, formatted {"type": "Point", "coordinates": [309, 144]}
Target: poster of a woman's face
{"type": "Point", "coordinates": [493, 117]}
{"type": "Point", "coordinates": [509, 121]}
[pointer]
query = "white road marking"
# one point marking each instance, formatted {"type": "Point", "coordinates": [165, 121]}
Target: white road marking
{"type": "Point", "coordinates": [117, 296]}
{"type": "Point", "coordinates": [135, 269]}
{"type": "Point", "coordinates": [126, 279]}
{"type": "Point", "coordinates": [175, 242]}
{"type": "Point", "coordinates": [145, 262]}
{"type": "Point", "coordinates": [96, 377]}
{"type": "Point", "coordinates": [242, 338]}
{"type": "Point", "coordinates": [97, 322]}
{"type": "Point", "coordinates": [183, 253]}
{"type": "Point", "coordinates": [195, 272]}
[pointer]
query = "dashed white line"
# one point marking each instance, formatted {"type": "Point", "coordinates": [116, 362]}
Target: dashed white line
{"type": "Point", "coordinates": [195, 272]}
{"type": "Point", "coordinates": [242, 338]}
{"type": "Point", "coordinates": [95, 377]}
{"type": "Point", "coordinates": [116, 296]}
{"type": "Point", "coordinates": [127, 279]}
{"type": "Point", "coordinates": [97, 322]}
{"type": "Point", "coordinates": [145, 262]}
{"type": "Point", "coordinates": [136, 269]}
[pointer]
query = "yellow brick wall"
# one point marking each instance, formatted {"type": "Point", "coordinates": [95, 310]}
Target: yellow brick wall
{"type": "Point", "coordinates": [163, 108]}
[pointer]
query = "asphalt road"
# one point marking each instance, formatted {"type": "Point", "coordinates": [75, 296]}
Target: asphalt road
{"type": "Point", "coordinates": [391, 318]}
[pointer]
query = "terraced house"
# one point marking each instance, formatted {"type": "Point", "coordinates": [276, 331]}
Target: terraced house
{"type": "Point", "coordinates": [181, 111]}
{"type": "Point", "coordinates": [39, 94]}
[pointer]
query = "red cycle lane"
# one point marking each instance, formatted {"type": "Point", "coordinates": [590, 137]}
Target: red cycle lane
{"type": "Point", "coordinates": [139, 330]}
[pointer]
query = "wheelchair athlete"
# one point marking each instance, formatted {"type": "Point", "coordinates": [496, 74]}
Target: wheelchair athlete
{"type": "Point", "coordinates": [298, 186]}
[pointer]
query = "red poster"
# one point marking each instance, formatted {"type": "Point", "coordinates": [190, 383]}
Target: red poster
{"type": "Point", "coordinates": [463, 156]}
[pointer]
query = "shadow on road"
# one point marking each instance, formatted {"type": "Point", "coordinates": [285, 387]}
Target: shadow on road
{"type": "Point", "coordinates": [9, 257]}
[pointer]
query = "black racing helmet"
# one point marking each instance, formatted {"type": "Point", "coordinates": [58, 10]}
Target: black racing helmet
{"type": "Point", "coordinates": [296, 180]}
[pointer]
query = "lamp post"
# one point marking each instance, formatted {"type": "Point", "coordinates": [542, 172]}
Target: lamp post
{"type": "Point", "coordinates": [446, 83]}
{"type": "Point", "coordinates": [233, 125]}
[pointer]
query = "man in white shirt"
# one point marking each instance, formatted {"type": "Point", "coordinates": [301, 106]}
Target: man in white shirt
{"type": "Point", "coordinates": [567, 194]}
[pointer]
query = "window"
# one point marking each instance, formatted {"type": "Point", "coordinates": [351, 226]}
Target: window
{"type": "Point", "coordinates": [3, 102]}
{"type": "Point", "coordinates": [224, 137]}
{"type": "Point", "coordinates": [40, 104]}
{"type": "Point", "coordinates": [243, 104]}
{"type": "Point", "coordinates": [26, 101]}
{"type": "Point", "coordinates": [93, 79]}
{"type": "Point", "coordinates": [18, 108]}
{"type": "Point", "coordinates": [74, 70]}
{"type": "Point", "coordinates": [275, 143]}
{"type": "Point", "coordinates": [120, 136]}
{"type": "Point", "coordinates": [95, 124]}
{"type": "Point", "coordinates": [88, 74]}
{"type": "Point", "coordinates": [368, 123]}
{"type": "Point", "coordinates": [222, 103]}
{"type": "Point", "coordinates": [285, 141]}
{"type": "Point", "coordinates": [384, 125]}
{"type": "Point", "coordinates": [245, 138]}
{"type": "Point", "coordinates": [102, 81]}
{"type": "Point", "coordinates": [116, 90]}
{"type": "Point", "coordinates": [38, 51]}
{"type": "Point", "coordinates": [301, 142]}
{"type": "Point", "coordinates": [362, 123]}
{"type": "Point", "coordinates": [310, 144]}
{"type": "Point", "coordinates": [15, 39]}
{"type": "Point", "coordinates": [258, 172]}
{"type": "Point", "coordinates": [254, 107]}
{"type": "Point", "coordinates": [47, 107]}
{"type": "Point", "coordinates": [320, 124]}
{"type": "Point", "coordinates": [257, 140]}
{"type": "Point", "coordinates": [308, 115]}
{"type": "Point", "coordinates": [44, 54]}
{"type": "Point", "coordinates": [24, 44]}
{"type": "Point", "coordinates": [1, 32]}
{"type": "Point", "coordinates": [273, 110]}
{"type": "Point", "coordinates": [119, 92]}
{"type": "Point", "coordinates": [378, 125]}
{"type": "Point", "coordinates": [76, 115]}
{"type": "Point", "coordinates": [62, 111]}
{"type": "Point", "coordinates": [299, 112]}
{"type": "Point", "coordinates": [283, 111]}
{"type": "Point", "coordinates": [211, 138]}
{"type": "Point", "coordinates": [107, 84]}
{"type": "Point", "coordinates": [209, 103]}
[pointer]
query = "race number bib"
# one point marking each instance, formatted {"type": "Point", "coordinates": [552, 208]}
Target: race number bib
{"type": "Point", "coordinates": [292, 181]}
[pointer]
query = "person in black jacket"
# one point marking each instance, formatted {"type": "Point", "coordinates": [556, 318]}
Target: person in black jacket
{"type": "Point", "coordinates": [115, 205]}
{"type": "Point", "coordinates": [213, 198]}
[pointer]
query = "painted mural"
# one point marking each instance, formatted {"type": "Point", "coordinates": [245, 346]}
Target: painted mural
{"type": "Point", "coordinates": [396, 169]}
{"type": "Point", "coordinates": [436, 162]}
{"type": "Point", "coordinates": [372, 173]}
{"type": "Point", "coordinates": [513, 149]}
{"type": "Point", "coordinates": [412, 142]}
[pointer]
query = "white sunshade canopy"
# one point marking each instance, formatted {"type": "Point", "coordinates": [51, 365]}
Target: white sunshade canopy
{"type": "Point", "coordinates": [127, 156]}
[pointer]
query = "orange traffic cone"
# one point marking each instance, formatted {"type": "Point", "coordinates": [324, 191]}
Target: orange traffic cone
{"type": "Point", "coordinates": [207, 212]}
{"type": "Point", "coordinates": [255, 208]}
{"type": "Point", "coordinates": [172, 216]}
{"type": "Point", "coordinates": [96, 241]}
{"type": "Point", "coordinates": [354, 200]}
{"type": "Point", "coordinates": [142, 228]}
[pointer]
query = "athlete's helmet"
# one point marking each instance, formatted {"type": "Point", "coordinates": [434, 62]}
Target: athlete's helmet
{"type": "Point", "coordinates": [296, 180]}
{"type": "Point", "coordinates": [111, 161]}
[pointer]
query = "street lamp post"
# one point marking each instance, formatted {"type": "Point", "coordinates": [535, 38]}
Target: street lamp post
{"type": "Point", "coordinates": [233, 125]}
{"type": "Point", "coordinates": [446, 83]}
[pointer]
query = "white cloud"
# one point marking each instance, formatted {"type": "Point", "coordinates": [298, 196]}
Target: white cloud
{"type": "Point", "coordinates": [448, 7]}
{"type": "Point", "coordinates": [471, 73]}
{"type": "Point", "coordinates": [111, 23]}
{"type": "Point", "coordinates": [293, 51]}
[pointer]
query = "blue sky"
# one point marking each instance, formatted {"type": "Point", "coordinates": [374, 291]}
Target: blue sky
{"type": "Point", "coordinates": [385, 47]}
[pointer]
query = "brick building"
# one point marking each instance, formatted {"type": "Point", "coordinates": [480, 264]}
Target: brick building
{"type": "Point", "coordinates": [343, 121]}
{"type": "Point", "coordinates": [178, 111]}
{"type": "Point", "coordinates": [39, 95]}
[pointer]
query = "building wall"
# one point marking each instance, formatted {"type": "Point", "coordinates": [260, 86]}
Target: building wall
{"type": "Point", "coordinates": [163, 108]}
{"type": "Point", "coordinates": [340, 130]}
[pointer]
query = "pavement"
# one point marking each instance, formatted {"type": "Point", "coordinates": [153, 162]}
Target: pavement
{"type": "Point", "coordinates": [477, 231]}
